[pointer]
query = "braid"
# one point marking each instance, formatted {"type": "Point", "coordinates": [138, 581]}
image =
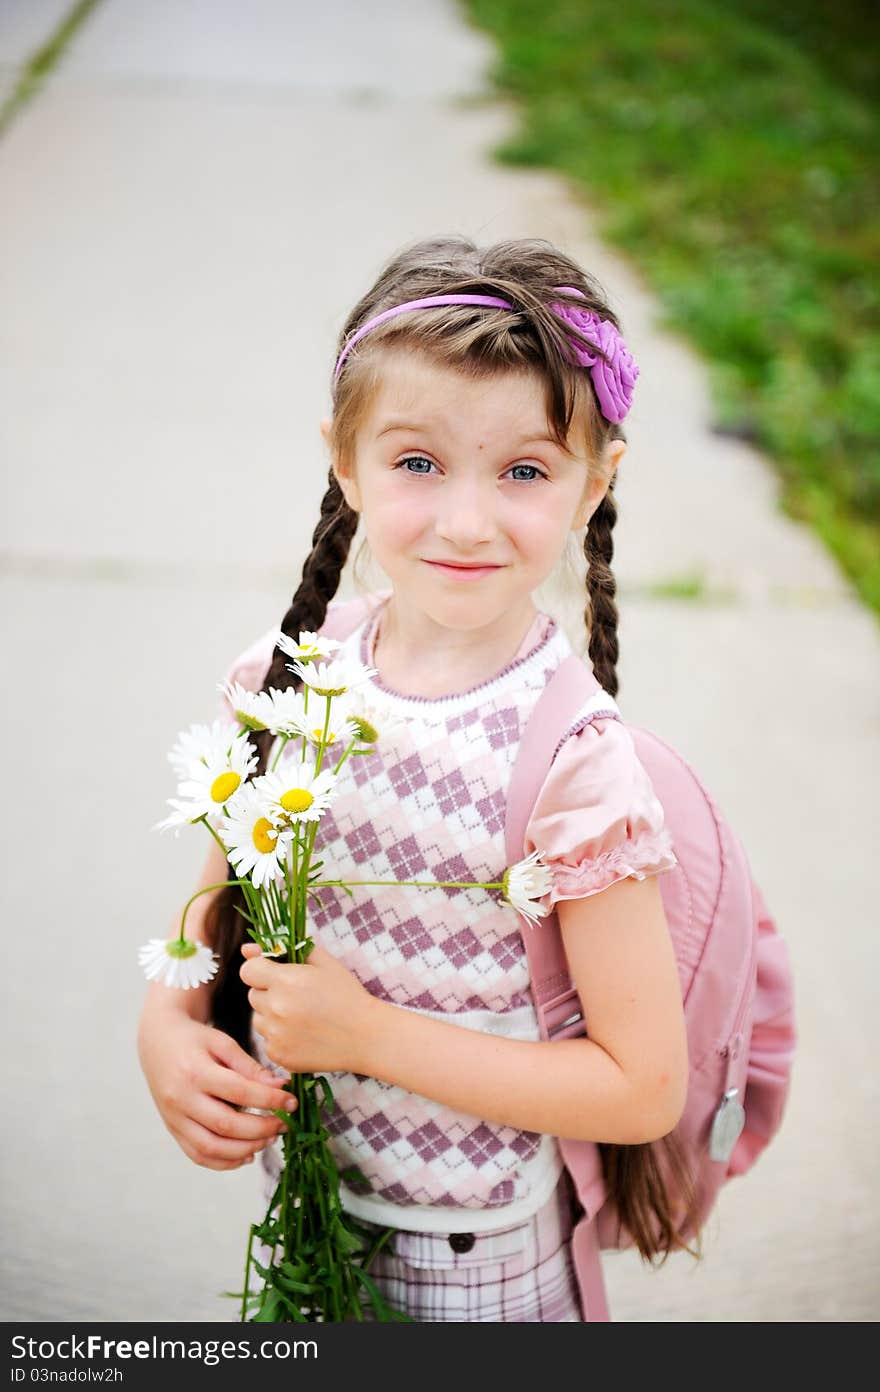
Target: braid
{"type": "Point", "coordinates": [601, 610]}
{"type": "Point", "coordinates": [331, 542]}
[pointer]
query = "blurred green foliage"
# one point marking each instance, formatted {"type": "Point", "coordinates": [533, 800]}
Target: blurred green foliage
{"type": "Point", "coordinates": [732, 150]}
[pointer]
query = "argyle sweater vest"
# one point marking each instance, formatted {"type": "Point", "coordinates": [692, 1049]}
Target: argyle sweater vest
{"type": "Point", "coordinates": [429, 804]}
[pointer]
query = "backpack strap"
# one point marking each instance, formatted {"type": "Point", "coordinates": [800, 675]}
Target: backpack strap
{"type": "Point", "coordinates": [556, 1000]}
{"type": "Point", "coordinates": [567, 692]}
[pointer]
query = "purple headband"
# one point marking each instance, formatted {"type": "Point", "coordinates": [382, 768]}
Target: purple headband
{"type": "Point", "coordinates": [613, 380]}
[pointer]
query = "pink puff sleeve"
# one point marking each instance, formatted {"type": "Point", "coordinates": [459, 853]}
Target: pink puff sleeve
{"type": "Point", "coordinates": [597, 819]}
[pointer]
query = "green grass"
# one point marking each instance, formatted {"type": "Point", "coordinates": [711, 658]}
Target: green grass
{"type": "Point", "coordinates": [42, 61]}
{"type": "Point", "coordinates": [732, 151]}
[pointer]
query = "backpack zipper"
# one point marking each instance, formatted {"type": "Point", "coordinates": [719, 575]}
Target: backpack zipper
{"type": "Point", "coordinates": [729, 1119]}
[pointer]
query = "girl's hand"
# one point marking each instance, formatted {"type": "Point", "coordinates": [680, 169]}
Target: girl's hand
{"type": "Point", "coordinates": [314, 1017]}
{"type": "Point", "coordinates": [199, 1077]}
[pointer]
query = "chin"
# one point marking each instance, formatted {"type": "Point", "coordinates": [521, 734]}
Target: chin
{"type": "Point", "coordinates": [464, 611]}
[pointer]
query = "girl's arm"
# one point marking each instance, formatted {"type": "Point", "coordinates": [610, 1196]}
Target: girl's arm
{"type": "Point", "coordinates": [198, 1076]}
{"type": "Point", "coordinates": [626, 1084]}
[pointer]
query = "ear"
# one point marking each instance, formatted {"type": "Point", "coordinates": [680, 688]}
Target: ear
{"type": "Point", "coordinates": [350, 491]}
{"type": "Point", "coordinates": [348, 485]}
{"type": "Point", "coordinates": [598, 484]}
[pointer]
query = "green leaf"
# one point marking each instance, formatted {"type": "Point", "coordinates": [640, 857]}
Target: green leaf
{"type": "Point", "coordinates": [286, 1283]}
{"type": "Point", "coordinates": [270, 1309]}
{"type": "Point", "coordinates": [327, 1097]}
{"type": "Point", "coordinates": [385, 1312]}
{"type": "Point", "coordinates": [344, 1240]}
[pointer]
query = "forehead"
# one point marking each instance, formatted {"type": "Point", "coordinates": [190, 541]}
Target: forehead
{"type": "Point", "coordinates": [416, 391]}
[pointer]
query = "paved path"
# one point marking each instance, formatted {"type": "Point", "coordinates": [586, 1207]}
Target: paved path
{"type": "Point", "coordinates": [190, 206]}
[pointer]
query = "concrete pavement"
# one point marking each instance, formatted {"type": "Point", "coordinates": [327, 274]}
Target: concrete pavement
{"type": "Point", "coordinates": [192, 203]}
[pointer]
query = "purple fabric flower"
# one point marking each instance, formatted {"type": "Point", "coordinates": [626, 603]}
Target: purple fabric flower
{"type": "Point", "coordinates": [614, 380]}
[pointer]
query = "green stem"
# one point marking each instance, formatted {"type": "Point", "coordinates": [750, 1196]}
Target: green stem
{"type": "Point", "coordinates": [284, 741]}
{"type": "Point", "coordinates": [204, 819]}
{"type": "Point", "coordinates": [207, 890]}
{"type": "Point", "coordinates": [247, 1272]}
{"type": "Point", "coordinates": [346, 754]}
{"type": "Point", "coordinates": [323, 740]}
{"type": "Point", "coordinates": [423, 884]}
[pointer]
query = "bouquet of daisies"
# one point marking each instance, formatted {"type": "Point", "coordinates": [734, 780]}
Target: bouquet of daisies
{"type": "Point", "coordinates": [317, 1268]}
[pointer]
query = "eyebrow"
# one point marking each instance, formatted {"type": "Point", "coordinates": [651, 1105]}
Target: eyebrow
{"type": "Point", "coordinates": [523, 440]}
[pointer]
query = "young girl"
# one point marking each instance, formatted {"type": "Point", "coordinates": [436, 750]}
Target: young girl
{"type": "Point", "coordinates": [477, 402]}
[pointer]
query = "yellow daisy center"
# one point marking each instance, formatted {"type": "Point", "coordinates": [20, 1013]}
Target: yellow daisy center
{"type": "Point", "coordinates": [296, 800]}
{"type": "Point", "coordinates": [224, 786]}
{"type": "Point", "coordinates": [264, 835]}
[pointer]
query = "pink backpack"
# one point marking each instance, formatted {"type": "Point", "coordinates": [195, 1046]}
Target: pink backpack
{"type": "Point", "coordinates": [733, 966]}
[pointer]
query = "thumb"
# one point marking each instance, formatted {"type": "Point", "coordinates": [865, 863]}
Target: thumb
{"type": "Point", "coordinates": [226, 1050]}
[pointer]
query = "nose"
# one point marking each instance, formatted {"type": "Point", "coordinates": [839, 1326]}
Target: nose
{"type": "Point", "coordinates": [466, 513]}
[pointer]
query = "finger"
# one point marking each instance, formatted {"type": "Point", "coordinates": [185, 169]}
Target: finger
{"type": "Point", "coordinates": [257, 971]}
{"type": "Point", "coordinates": [198, 1159]}
{"type": "Point", "coordinates": [251, 949]}
{"type": "Point", "coordinates": [234, 1125]}
{"type": "Point", "coordinates": [225, 1050]}
{"type": "Point", "coordinates": [210, 1147]}
{"type": "Point", "coordinates": [229, 1086]}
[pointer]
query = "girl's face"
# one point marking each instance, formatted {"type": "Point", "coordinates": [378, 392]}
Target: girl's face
{"type": "Point", "coordinates": [452, 470]}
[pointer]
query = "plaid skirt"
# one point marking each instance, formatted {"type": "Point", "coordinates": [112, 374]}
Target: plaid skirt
{"type": "Point", "coordinates": [518, 1274]}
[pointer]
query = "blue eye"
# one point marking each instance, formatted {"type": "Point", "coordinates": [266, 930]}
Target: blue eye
{"type": "Point", "coordinates": [534, 470]}
{"type": "Point", "coordinates": [420, 458]}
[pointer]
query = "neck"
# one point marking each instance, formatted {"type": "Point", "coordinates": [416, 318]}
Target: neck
{"type": "Point", "coordinates": [419, 657]}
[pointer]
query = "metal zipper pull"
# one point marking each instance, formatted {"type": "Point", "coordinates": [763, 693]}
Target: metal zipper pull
{"type": "Point", "coordinates": [727, 1126]}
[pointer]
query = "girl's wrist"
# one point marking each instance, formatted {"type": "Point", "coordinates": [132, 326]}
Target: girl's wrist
{"type": "Point", "coordinates": [377, 1033]}
{"type": "Point", "coordinates": [167, 1002]}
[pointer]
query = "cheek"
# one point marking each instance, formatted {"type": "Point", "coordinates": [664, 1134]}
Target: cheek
{"type": "Point", "coordinates": [541, 528]}
{"type": "Point", "coordinates": [395, 519]}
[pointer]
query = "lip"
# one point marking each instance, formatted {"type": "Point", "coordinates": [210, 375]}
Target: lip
{"type": "Point", "coordinates": [463, 572]}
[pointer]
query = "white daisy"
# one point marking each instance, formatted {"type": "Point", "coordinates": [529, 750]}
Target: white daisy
{"type": "Point", "coordinates": [214, 780]}
{"type": "Point", "coordinates": [341, 728]}
{"type": "Point", "coordinates": [181, 816]}
{"type": "Point", "coordinates": [525, 883]}
{"type": "Point", "coordinates": [310, 647]}
{"type": "Point", "coordinates": [194, 744]}
{"type": "Point", "coordinates": [178, 961]}
{"type": "Point", "coordinates": [249, 707]}
{"type": "Point", "coordinates": [373, 716]}
{"type": "Point", "coordinates": [332, 678]}
{"type": "Point", "coordinates": [294, 792]}
{"type": "Point", "coordinates": [284, 712]}
{"type": "Point", "coordinates": [253, 845]}
{"type": "Point", "coordinates": [275, 945]}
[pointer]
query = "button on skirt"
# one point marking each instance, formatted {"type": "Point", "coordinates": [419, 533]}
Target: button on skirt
{"type": "Point", "coordinates": [514, 1275]}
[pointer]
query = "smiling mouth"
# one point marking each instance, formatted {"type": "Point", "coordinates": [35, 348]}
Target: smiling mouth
{"type": "Point", "coordinates": [461, 565]}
